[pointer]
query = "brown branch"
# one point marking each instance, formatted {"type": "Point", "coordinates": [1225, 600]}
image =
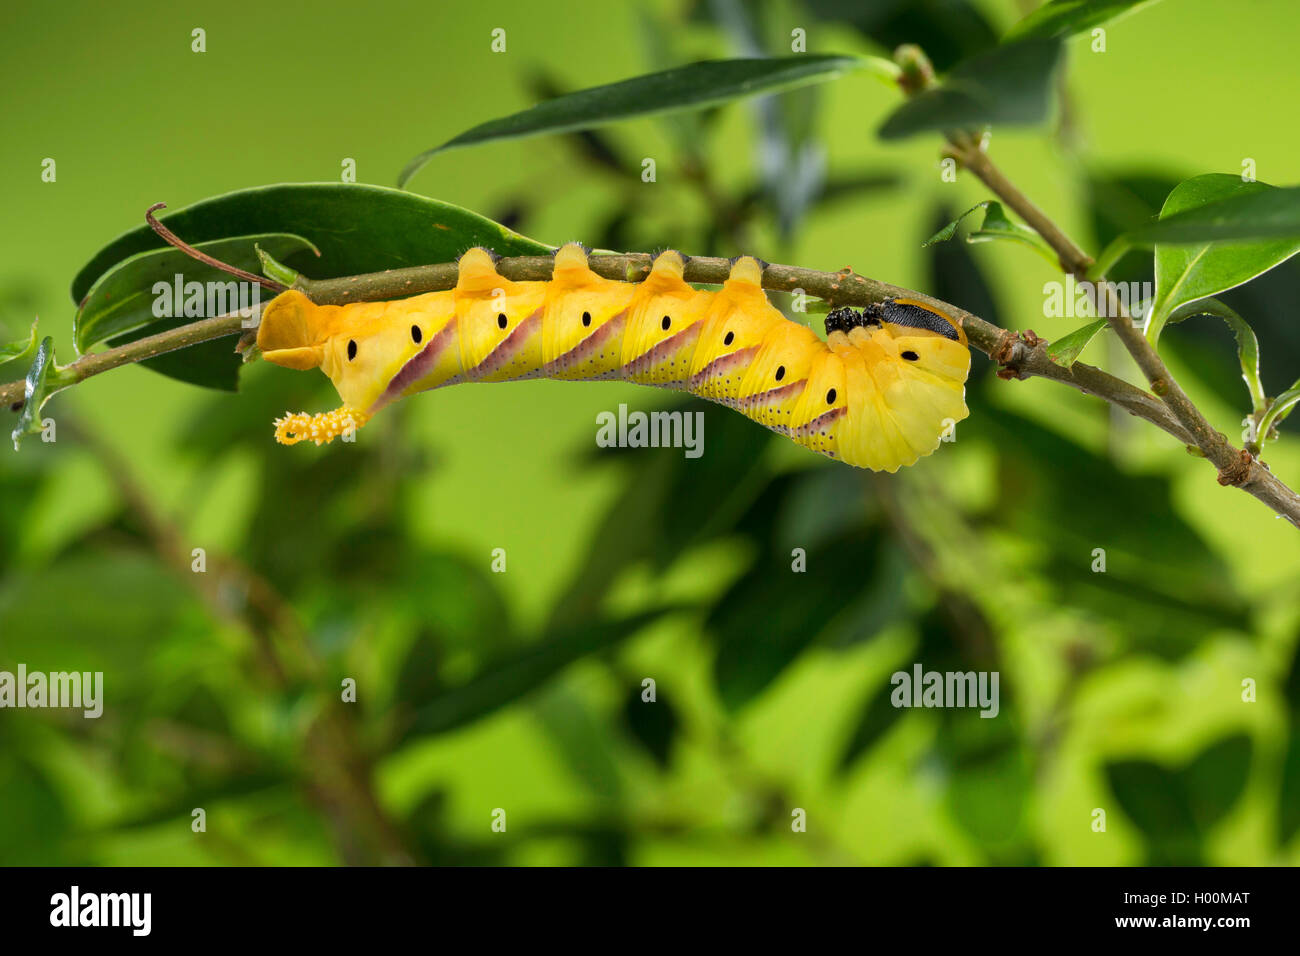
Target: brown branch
{"type": "Point", "coordinates": [11, 393]}
{"type": "Point", "coordinates": [1236, 466]}
{"type": "Point", "coordinates": [1023, 356]}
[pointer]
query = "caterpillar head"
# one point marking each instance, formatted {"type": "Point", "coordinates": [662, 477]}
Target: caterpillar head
{"type": "Point", "coordinates": [357, 349]}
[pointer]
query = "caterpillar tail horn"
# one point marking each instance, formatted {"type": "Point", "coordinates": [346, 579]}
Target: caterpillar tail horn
{"type": "Point", "coordinates": [325, 427]}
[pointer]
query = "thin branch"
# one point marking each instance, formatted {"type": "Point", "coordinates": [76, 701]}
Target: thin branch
{"type": "Point", "coordinates": [11, 393]}
{"type": "Point", "coordinates": [1020, 355]}
{"type": "Point", "coordinates": [1236, 466]}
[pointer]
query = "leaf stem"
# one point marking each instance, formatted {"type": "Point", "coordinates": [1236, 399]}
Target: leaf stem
{"type": "Point", "coordinates": [174, 240]}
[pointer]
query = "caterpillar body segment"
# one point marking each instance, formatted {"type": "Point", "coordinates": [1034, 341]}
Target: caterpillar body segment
{"type": "Point", "coordinates": [878, 393]}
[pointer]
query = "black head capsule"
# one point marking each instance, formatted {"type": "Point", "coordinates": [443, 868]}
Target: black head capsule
{"type": "Point", "coordinates": [843, 319]}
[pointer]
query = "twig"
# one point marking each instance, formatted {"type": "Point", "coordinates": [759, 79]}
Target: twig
{"type": "Point", "coordinates": [1025, 356]}
{"type": "Point", "coordinates": [1236, 466]}
{"type": "Point", "coordinates": [1021, 355]}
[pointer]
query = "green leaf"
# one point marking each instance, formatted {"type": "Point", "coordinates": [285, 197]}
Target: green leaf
{"type": "Point", "coordinates": [523, 671]}
{"type": "Point", "coordinates": [1247, 342]}
{"type": "Point", "coordinates": [758, 639]}
{"type": "Point", "coordinates": [950, 230]}
{"type": "Point", "coordinates": [21, 352]}
{"type": "Point", "coordinates": [1176, 808]}
{"type": "Point", "coordinates": [1186, 273]}
{"type": "Point", "coordinates": [36, 392]}
{"type": "Point", "coordinates": [357, 229]}
{"type": "Point", "coordinates": [947, 30]}
{"type": "Point", "coordinates": [1010, 85]}
{"type": "Point", "coordinates": [689, 87]}
{"type": "Point", "coordinates": [1066, 349]}
{"type": "Point", "coordinates": [653, 724]}
{"type": "Point", "coordinates": [997, 225]}
{"type": "Point", "coordinates": [123, 299]}
{"type": "Point", "coordinates": [1222, 207]}
{"type": "Point", "coordinates": [1061, 18]}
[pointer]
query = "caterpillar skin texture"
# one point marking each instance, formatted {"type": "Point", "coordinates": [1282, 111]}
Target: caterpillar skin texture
{"type": "Point", "coordinates": [878, 393]}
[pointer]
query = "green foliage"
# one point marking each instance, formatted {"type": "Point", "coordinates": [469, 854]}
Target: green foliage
{"type": "Point", "coordinates": [997, 226]}
{"type": "Point", "coordinates": [683, 88]}
{"type": "Point", "coordinates": [1216, 206]}
{"type": "Point", "coordinates": [386, 229]}
{"type": "Point", "coordinates": [1059, 18]}
{"type": "Point", "coordinates": [1009, 85]}
{"type": "Point", "coordinates": [368, 561]}
{"type": "Point", "coordinates": [1177, 807]}
{"type": "Point", "coordinates": [1065, 350]}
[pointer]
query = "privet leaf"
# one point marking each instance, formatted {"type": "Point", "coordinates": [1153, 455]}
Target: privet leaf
{"type": "Point", "coordinates": [683, 88]}
{"type": "Point", "coordinates": [1061, 18]}
{"type": "Point", "coordinates": [997, 225]}
{"type": "Point", "coordinates": [1215, 204]}
{"type": "Point", "coordinates": [1065, 350]}
{"type": "Point", "coordinates": [1009, 85]}
{"type": "Point", "coordinates": [357, 228]}
{"type": "Point", "coordinates": [123, 298]}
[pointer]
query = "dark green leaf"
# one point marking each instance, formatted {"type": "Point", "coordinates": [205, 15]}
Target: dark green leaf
{"type": "Point", "coordinates": [523, 671]}
{"type": "Point", "coordinates": [683, 88]}
{"type": "Point", "coordinates": [1207, 211]}
{"type": "Point", "coordinates": [1216, 778]}
{"type": "Point", "coordinates": [1288, 794]}
{"type": "Point", "coordinates": [948, 31]}
{"type": "Point", "coordinates": [653, 724]}
{"type": "Point", "coordinates": [759, 638]}
{"type": "Point", "coordinates": [357, 229]}
{"type": "Point", "coordinates": [1222, 207]}
{"type": "Point", "coordinates": [1010, 85]}
{"type": "Point", "coordinates": [123, 299]}
{"type": "Point", "coordinates": [1175, 809]}
{"type": "Point", "coordinates": [1153, 798]}
{"type": "Point", "coordinates": [1066, 17]}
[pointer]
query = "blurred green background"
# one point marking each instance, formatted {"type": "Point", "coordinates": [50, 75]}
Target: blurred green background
{"type": "Point", "coordinates": [522, 690]}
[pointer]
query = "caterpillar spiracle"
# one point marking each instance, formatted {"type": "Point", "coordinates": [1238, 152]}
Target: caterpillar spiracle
{"type": "Point", "coordinates": [878, 393]}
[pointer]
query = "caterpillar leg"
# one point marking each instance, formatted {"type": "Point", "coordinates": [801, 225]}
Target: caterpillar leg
{"type": "Point", "coordinates": [325, 427]}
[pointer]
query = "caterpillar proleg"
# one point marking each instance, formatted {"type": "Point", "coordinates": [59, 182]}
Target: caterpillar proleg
{"type": "Point", "coordinates": [878, 393]}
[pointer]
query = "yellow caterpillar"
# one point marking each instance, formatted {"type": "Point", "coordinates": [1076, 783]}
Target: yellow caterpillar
{"type": "Point", "coordinates": [878, 393]}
